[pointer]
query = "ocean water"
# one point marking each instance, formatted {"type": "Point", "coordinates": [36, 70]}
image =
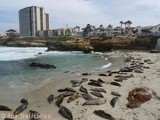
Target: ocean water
{"type": "Point", "coordinates": [16, 73]}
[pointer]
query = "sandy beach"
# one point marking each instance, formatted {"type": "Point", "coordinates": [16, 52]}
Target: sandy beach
{"type": "Point", "coordinates": [147, 111]}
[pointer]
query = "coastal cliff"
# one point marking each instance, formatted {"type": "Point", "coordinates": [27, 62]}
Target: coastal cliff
{"type": "Point", "coordinates": [86, 45]}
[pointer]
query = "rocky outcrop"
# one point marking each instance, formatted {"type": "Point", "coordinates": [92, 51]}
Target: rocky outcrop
{"type": "Point", "coordinates": [46, 66]}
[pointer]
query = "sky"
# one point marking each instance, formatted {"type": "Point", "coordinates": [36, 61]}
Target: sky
{"type": "Point", "coordinates": [83, 12]}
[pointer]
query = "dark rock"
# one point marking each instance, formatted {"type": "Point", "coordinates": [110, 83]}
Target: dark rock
{"type": "Point", "coordinates": [46, 66]}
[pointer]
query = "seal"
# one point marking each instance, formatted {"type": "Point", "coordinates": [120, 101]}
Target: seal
{"type": "Point", "coordinates": [95, 83]}
{"type": "Point", "coordinates": [115, 93]}
{"type": "Point", "coordinates": [98, 90]}
{"type": "Point", "coordinates": [24, 101]}
{"type": "Point", "coordinates": [50, 98]}
{"type": "Point", "coordinates": [103, 114]}
{"type": "Point", "coordinates": [66, 94]}
{"type": "Point", "coordinates": [95, 101]}
{"type": "Point", "coordinates": [59, 101]}
{"type": "Point", "coordinates": [4, 108]}
{"type": "Point", "coordinates": [65, 112]}
{"type": "Point", "coordinates": [20, 109]}
{"type": "Point", "coordinates": [97, 94]}
{"type": "Point", "coordinates": [83, 89]}
{"type": "Point", "coordinates": [76, 83]}
{"type": "Point", "coordinates": [87, 96]}
{"type": "Point", "coordinates": [67, 89]}
{"type": "Point", "coordinates": [34, 115]}
{"type": "Point", "coordinates": [113, 101]}
{"type": "Point", "coordinates": [115, 83]}
{"type": "Point", "coordinates": [72, 98]}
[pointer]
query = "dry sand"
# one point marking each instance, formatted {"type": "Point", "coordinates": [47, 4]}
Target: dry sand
{"type": "Point", "coordinates": [147, 111]}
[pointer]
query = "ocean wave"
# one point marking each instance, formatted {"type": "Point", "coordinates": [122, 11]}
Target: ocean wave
{"type": "Point", "coordinates": [106, 66]}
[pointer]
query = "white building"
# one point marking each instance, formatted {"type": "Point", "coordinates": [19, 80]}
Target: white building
{"type": "Point", "coordinates": [32, 19]}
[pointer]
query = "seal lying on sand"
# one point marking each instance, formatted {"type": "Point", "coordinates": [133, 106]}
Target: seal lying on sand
{"type": "Point", "coordinates": [115, 83]}
{"type": "Point", "coordinates": [103, 114]}
{"type": "Point", "coordinates": [65, 112]}
{"type": "Point", "coordinates": [96, 101]}
{"type": "Point", "coordinates": [113, 101]}
{"type": "Point", "coordinates": [98, 90]}
{"type": "Point", "coordinates": [34, 115]}
{"type": "Point", "coordinates": [59, 101]}
{"type": "Point", "coordinates": [115, 93]}
{"type": "Point", "coordinates": [20, 109]}
{"type": "Point", "coordinates": [87, 96]}
{"type": "Point", "coordinates": [4, 108]}
{"type": "Point", "coordinates": [66, 94]}
{"type": "Point", "coordinates": [95, 83]}
{"type": "Point", "coordinates": [24, 101]}
{"type": "Point", "coordinates": [67, 89]}
{"type": "Point", "coordinates": [97, 94]}
{"type": "Point", "coordinates": [50, 98]}
{"type": "Point", "coordinates": [76, 83]}
{"type": "Point", "coordinates": [72, 98]}
{"type": "Point", "coordinates": [83, 89]}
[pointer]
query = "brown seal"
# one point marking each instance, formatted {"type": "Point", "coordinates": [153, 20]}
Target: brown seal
{"type": "Point", "coordinates": [72, 98]}
{"type": "Point", "coordinates": [103, 114]}
{"type": "Point", "coordinates": [59, 101]}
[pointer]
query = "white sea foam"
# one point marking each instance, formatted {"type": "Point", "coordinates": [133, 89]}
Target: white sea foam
{"type": "Point", "coordinates": [106, 66]}
{"type": "Point", "coordinates": [15, 53]}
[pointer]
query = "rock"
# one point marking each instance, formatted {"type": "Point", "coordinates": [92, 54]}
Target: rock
{"type": "Point", "coordinates": [65, 112]}
{"type": "Point", "coordinates": [20, 109]}
{"type": "Point", "coordinates": [85, 74]}
{"type": "Point", "coordinates": [46, 66]}
{"type": "Point", "coordinates": [4, 108]}
{"type": "Point", "coordinates": [103, 114]}
{"type": "Point", "coordinates": [102, 74]}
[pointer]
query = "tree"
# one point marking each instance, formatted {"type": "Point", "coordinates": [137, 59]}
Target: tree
{"type": "Point", "coordinates": [129, 23]}
{"type": "Point", "coordinates": [121, 22]}
{"type": "Point", "coordinates": [87, 30]}
{"type": "Point", "coordinates": [12, 33]}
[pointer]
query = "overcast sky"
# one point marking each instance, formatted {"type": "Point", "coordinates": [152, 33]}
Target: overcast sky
{"type": "Point", "coordinates": [82, 12]}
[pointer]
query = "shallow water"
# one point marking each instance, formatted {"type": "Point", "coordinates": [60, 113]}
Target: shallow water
{"type": "Point", "coordinates": [16, 73]}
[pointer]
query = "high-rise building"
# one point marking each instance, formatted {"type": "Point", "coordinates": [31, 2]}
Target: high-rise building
{"type": "Point", "coordinates": [32, 19]}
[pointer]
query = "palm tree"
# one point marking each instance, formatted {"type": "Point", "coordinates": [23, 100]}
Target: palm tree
{"type": "Point", "coordinates": [129, 23]}
{"type": "Point", "coordinates": [121, 22]}
{"type": "Point", "coordinates": [87, 30]}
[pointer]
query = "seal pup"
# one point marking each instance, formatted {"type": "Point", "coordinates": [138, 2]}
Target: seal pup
{"type": "Point", "coordinates": [20, 109]}
{"type": "Point", "coordinates": [87, 96]}
{"type": "Point", "coordinates": [67, 89]}
{"type": "Point", "coordinates": [95, 101]}
{"type": "Point", "coordinates": [115, 84]}
{"type": "Point", "coordinates": [113, 101]}
{"type": "Point", "coordinates": [83, 89]}
{"type": "Point", "coordinates": [59, 101]}
{"type": "Point", "coordinates": [98, 90]}
{"type": "Point", "coordinates": [103, 114]}
{"type": "Point", "coordinates": [34, 115]}
{"type": "Point", "coordinates": [115, 93]}
{"type": "Point", "coordinates": [4, 108]}
{"type": "Point", "coordinates": [50, 98]}
{"type": "Point", "coordinates": [97, 94]}
{"type": "Point", "coordinates": [72, 98]}
{"type": "Point", "coordinates": [65, 112]}
{"type": "Point", "coordinates": [24, 101]}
